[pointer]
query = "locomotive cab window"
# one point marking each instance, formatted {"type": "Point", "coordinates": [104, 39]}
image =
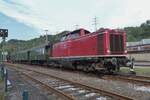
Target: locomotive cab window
{"type": "Point", "coordinates": [74, 35]}
{"type": "Point", "coordinates": [63, 38]}
{"type": "Point", "coordinates": [86, 32]}
{"type": "Point", "coordinates": [70, 36]}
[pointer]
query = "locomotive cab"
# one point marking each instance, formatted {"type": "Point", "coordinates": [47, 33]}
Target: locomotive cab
{"type": "Point", "coordinates": [75, 34]}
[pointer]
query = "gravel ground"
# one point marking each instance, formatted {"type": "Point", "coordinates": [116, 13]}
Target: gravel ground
{"type": "Point", "coordinates": [21, 83]}
{"type": "Point", "coordinates": [132, 90]}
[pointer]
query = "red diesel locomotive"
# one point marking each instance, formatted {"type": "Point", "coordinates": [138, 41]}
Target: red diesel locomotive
{"type": "Point", "coordinates": [82, 43]}
{"type": "Point", "coordinates": [104, 49]}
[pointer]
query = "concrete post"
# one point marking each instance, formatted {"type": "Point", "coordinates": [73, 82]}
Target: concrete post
{"type": "Point", "coordinates": [6, 78]}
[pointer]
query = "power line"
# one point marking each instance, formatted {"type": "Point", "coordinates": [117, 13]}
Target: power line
{"type": "Point", "coordinates": [76, 26]}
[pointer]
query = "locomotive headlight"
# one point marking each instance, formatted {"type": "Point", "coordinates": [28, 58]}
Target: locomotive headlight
{"type": "Point", "coordinates": [125, 51]}
{"type": "Point", "coordinates": [108, 51]}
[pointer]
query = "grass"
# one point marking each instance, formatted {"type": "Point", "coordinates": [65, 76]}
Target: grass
{"type": "Point", "coordinates": [139, 70]}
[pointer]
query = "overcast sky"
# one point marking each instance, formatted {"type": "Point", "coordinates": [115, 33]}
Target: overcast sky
{"type": "Point", "coordinates": [58, 15]}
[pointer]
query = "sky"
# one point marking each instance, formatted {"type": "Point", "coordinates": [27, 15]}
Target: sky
{"type": "Point", "coordinates": [27, 19]}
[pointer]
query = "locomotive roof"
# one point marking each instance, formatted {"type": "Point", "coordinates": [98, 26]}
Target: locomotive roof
{"type": "Point", "coordinates": [110, 30]}
{"type": "Point", "coordinates": [39, 46]}
{"type": "Point", "coordinates": [77, 31]}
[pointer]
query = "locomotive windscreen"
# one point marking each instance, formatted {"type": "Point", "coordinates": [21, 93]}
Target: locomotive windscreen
{"type": "Point", "coordinates": [116, 43]}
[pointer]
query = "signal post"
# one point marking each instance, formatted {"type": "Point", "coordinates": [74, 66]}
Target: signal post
{"type": "Point", "coordinates": [3, 34]}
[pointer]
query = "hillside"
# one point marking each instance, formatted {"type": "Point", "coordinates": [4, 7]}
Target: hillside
{"type": "Point", "coordinates": [133, 34]}
{"type": "Point", "coordinates": [15, 45]}
{"type": "Point", "coordinates": [139, 32]}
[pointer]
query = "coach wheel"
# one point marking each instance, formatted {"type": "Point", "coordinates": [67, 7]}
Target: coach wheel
{"type": "Point", "coordinates": [74, 66]}
{"type": "Point", "coordinates": [110, 71]}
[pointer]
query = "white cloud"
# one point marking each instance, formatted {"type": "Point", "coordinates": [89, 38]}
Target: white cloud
{"type": "Point", "coordinates": [59, 15]}
{"type": "Point", "coordinates": [133, 13]}
{"type": "Point", "coordinates": [23, 15]}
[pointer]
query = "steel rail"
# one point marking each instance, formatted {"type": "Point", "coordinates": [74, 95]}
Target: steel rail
{"type": "Point", "coordinates": [49, 88]}
{"type": "Point", "coordinates": [134, 79]}
{"type": "Point", "coordinates": [142, 77]}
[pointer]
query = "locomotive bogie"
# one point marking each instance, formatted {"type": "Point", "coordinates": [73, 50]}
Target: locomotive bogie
{"type": "Point", "coordinates": [93, 63]}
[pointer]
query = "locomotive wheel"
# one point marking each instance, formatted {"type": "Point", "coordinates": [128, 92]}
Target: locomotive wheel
{"type": "Point", "coordinates": [92, 67]}
{"type": "Point", "coordinates": [74, 67]}
{"type": "Point", "coordinates": [85, 69]}
{"type": "Point", "coordinates": [109, 70]}
{"type": "Point", "coordinates": [118, 68]}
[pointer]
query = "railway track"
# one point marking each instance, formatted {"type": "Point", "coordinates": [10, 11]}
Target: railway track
{"type": "Point", "coordinates": [144, 80]}
{"type": "Point", "coordinates": [68, 89]}
{"type": "Point", "coordinates": [132, 79]}
{"type": "Point", "coordinates": [142, 77]}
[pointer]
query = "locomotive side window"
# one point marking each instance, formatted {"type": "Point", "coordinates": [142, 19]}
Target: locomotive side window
{"type": "Point", "coordinates": [70, 36]}
{"type": "Point", "coordinates": [74, 35]}
{"type": "Point", "coordinates": [63, 38]}
{"type": "Point", "coordinates": [86, 32]}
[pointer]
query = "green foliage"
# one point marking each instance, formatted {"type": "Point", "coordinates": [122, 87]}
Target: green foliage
{"type": "Point", "coordinates": [139, 32]}
{"type": "Point", "coordinates": [141, 70]}
{"type": "Point", "coordinates": [15, 45]}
